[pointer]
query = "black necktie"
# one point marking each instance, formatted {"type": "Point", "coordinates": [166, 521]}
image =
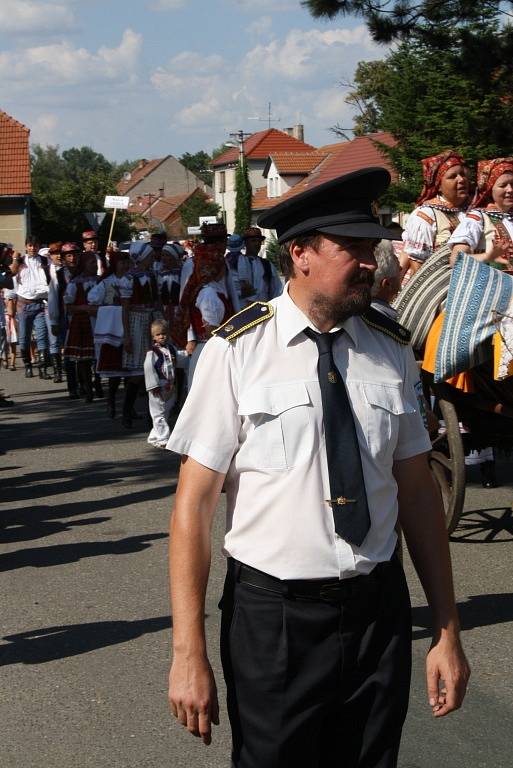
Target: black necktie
{"type": "Point", "coordinates": [348, 498]}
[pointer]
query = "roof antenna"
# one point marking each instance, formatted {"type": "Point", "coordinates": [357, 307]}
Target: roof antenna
{"type": "Point", "coordinates": [269, 119]}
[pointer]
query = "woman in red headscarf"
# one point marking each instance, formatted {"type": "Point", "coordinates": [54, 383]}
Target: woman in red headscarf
{"type": "Point", "coordinates": [487, 229]}
{"type": "Point", "coordinates": [440, 207]}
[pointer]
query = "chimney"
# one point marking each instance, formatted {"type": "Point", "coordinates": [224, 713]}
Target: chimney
{"type": "Point", "coordinates": [289, 131]}
{"type": "Point", "coordinates": [298, 132]}
{"type": "Point", "coordinates": [141, 164]}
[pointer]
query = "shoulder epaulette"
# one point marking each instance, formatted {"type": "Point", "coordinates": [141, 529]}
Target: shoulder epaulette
{"type": "Point", "coordinates": [386, 325]}
{"type": "Point", "coordinates": [247, 318]}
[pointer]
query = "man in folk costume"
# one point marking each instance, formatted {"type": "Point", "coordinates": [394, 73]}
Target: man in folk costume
{"type": "Point", "coordinates": [265, 277]}
{"type": "Point", "coordinates": [90, 245]}
{"type": "Point", "coordinates": [205, 302]}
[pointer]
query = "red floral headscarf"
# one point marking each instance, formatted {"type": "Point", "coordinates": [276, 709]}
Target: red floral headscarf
{"type": "Point", "coordinates": [488, 171]}
{"type": "Point", "coordinates": [208, 260]}
{"type": "Point", "coordinates": [433, 170]}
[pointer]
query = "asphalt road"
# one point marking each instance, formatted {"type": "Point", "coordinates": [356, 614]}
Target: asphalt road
{"type": "Point", "coordinates": [85, 625]}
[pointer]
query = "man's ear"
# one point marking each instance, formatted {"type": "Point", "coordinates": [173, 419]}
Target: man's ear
{"type": "Point", "coordinates": [299, 255]}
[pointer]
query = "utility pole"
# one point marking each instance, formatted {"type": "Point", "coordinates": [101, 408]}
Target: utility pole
{"type": "Point", "coordinates": [240, 137]}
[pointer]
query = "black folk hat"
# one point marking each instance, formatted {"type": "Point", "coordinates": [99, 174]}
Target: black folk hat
{"type": "Point", "coordinates": [342, 206]}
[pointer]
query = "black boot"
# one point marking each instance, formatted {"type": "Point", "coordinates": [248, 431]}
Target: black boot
{"type": "Point", "coordinates": [131, 390]}
{"type": "Point", "coordinates": [98, 389]}
{"type": "Point", "coordinates": [25, 356]}
{"type": "Point", "coordinates": [111, 397]}
{"type": "Point", "coordinates": [488, 478]}
{"type": "Point", "coordinates": [71, 378]}
{"type": "Point", "coordinates": [42, 364]}
{"type": "Point", "coordinates": [85, 377]}
{"type": "Point", "coordinates": [57, 368]}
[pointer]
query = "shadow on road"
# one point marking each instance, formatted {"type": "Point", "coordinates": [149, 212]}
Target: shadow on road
{"type": "Point", "coordinates": [485, 526]}
{"type": "Point", "coordinates": [60, 554]}
{"type": "Point", "coordinates": [50, 643]}
{"type": "Point", "coordinates": [477, 611]}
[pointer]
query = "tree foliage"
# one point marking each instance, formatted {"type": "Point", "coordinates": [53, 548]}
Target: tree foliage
{"type": "Point", "coordinates": [431, 21]}
{"type": "Point", "coordinates": [431, 102]}
{"type": "Point", "coordinates": [199, 163]}
{"type": "Point", "coordinates": [67, 185]}
{"type": "Point", "coordinates": [197, 206]}
{"type": "Point", "coordinates": [243, 198]}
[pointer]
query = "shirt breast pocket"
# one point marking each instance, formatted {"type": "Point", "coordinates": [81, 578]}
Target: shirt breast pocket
{"type": "Point", "coordinates": [385, 404]}
{"type": "Point", "coordinates": [281, 431]}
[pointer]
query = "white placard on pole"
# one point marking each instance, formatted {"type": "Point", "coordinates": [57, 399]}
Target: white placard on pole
{"type": "Point", "coordinates": [207, 220]}
{"type": "Point", "coordinates": [194, 230]}
{"type": "Point", "coordinates": [116, 202]}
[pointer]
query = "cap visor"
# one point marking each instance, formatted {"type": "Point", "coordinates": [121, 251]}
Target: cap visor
{"type": "Point", "coordinates": [370, 230]}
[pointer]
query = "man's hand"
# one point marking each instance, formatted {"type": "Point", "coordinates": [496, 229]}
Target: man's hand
{"type": "Point", "coordinates": [190, 347]}
{"type": "Point", "coordinates": [156, 392]}
{"type": "Point", "coordinates": [446, 662]}
{"type": "Point", "coordinates": [193, 695]}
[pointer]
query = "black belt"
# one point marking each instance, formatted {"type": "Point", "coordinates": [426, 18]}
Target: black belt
{"type": "Point", "coordinates": [327, 590]}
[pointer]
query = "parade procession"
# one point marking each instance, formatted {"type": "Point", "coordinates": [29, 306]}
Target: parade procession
{"type": "Point", "coordinates": [256, 402]}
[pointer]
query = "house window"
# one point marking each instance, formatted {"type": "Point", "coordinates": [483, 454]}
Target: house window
{"type": "Point", "coordinates": [222, 181]}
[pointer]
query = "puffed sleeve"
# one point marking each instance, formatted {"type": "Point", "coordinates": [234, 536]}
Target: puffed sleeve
{"type": "Point", "coordinates": [413, 437]}
{"type": "Point", "coordinates": [211, 307]}
{"type": "Point", "coordinates": [208, 427]}
{"type": "Point", "coordinates": [70, 293]}
{"type": "Point", "coordinates": [97, 294]}
{"type": "Point", "coordinates": [420, 234]}
{"type": "Point", "coordinates": [469, 231]}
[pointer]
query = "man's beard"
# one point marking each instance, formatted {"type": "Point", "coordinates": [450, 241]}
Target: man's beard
{"type": "Point", "coordinates": [325, 310]}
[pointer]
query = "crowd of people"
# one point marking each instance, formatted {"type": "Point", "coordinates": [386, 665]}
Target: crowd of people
{"type": "Point", "coordinates": [85, 317]}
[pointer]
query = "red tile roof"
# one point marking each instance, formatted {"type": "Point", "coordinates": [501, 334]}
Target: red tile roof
{"type": "Point", "coordinates": [260, 201]}
{"type": "Point", "coordinates": [144, 168]}
{"type": "Point", "coordinates": [163, 207]}
{"type": "Point", "coordinates": [14, 157]}
{"type": "Point", "coordinates": [292, 163]}
{"type": "Point", "coordinates": [336, 160]}
{"type": "Point", "coordinates": [361, 152]}
{"type": "Point", "coordinates": [262, 144]}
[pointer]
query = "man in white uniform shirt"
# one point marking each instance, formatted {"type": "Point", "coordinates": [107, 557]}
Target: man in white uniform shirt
{"type": "Point", "coordinates": [316, 624]}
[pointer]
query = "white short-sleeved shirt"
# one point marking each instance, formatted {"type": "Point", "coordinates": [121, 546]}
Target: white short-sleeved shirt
{"type": "Point", "coordinates": [255, 412]}
{"type": "Point", "coordinates": [420, 234]}
{"type": "Point", "coordinates": [474, 230]}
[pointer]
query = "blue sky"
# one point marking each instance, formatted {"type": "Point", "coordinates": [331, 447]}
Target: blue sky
{"type": "Point", "coordinates": [154, 77]}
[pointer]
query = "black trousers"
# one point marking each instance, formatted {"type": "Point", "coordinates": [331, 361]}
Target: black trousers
{"type": "Point", "coordinates": [315, 684]}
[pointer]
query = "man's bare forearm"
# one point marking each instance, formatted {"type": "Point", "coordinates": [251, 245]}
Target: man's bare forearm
{"type": "Point", "coordinates": [190, 548]}
{"type": "Point", "coordinates": [422, 520]}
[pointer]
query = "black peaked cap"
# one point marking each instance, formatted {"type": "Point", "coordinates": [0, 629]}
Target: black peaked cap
{"type": "Point", "coordinates": [341, 206]}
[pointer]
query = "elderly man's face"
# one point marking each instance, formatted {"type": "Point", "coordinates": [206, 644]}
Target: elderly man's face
{"type": "Point", "coordinates": [337, 277]}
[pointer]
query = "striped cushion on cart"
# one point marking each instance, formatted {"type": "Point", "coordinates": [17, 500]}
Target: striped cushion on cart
{"type": "Point", "coordinates": [476, 293]}
{"type": "Point", "coordinates": [424, 295]}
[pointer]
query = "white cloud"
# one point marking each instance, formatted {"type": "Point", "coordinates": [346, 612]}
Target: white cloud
{"type": "Point", "coordinates": [306, 53]}
{"type": "Point", "coordinates": [167, 5]}
{"type": "Point", "coordinates": [62, 64]}
{"type": "Point", "coordinates": [44, 130]}
{"type": "Point", "coordinates": [30, 16]}
{"type": "Point", "coordinates": [261, 27]}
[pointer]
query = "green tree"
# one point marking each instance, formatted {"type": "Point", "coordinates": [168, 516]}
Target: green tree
{"type": "Point", "coordinates": [197, 206]}
{"type": "Point", "coordinates": [199, 163]}
{"type": "Point", "coordinates": [243, 198]}
{"type": "Point", "coordinates": [431, 21]}
{"type": "Point", "coordinates": [430, 103]}
{"type": "Point", "coordinates": [66, 186]}
{"type": "Point", "coordinates": [272, 251]}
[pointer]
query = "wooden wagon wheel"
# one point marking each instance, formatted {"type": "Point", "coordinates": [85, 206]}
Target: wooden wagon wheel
{"type": "Point", "coordinates": [447, 460]}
